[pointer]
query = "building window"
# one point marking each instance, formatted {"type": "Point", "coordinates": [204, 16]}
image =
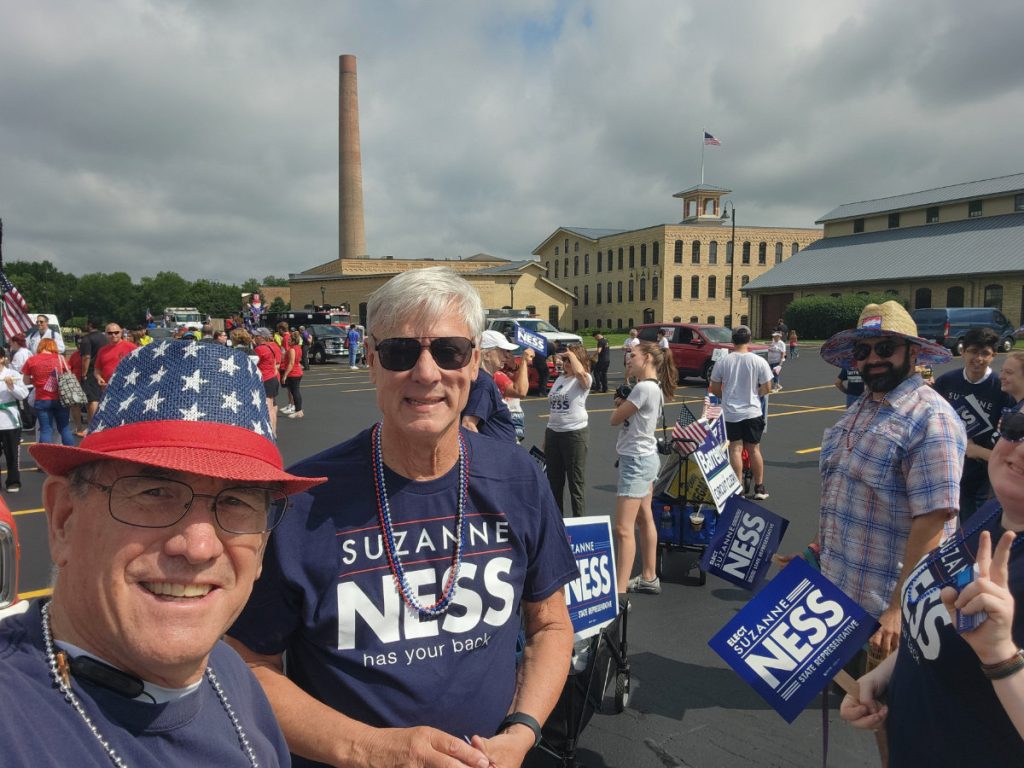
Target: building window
{"type": "Point", "coordinates": [744, 320]}
{"type": "Point", "coordinates": [586, 263]}
{"type": "Point", "coordinates": [586, 296]}
{"type": "Point", "coordinates": [576, 265]}
{"type": "Point", "coordinates": [643, 254]}
{"type": "Point", "coordinates": [778, 253]}
{"type": "Point", "coordinates": [618, 324]}
{"type": "Point", "coordinates": [923, 298]}
{"type": "Point", "coordinates": [567, 245]}
{"type": "Point", "coordinates": [728, 285]}
{"type": "Point", "coordinates": [994, 296]}
{"type": "Point", "coordinates": [894, 220]}
{"type": "Point", "coordinates": [609, 294]}
{"type": "Point", "coordinates": [932, 215]}
{"type": "Point", "coordinates": [576, 296]}
{"type": "Point", "coordinates": [597, 260]}
{"type": "Point", "coordinates": [618, 291]}
{"type": "Point", "coordinates": [632, 257]}
{"type": "Point", "coordinates": [974, 209]}
{"type": "Point", "coordinates": [1018, 202]}
{"type": "Point", "coordinates": [713, 252]}
{"type": "Point", "coordinates": [531, 310]}
{"type": "Point", "coordinates": [743, 281]}
{"type": "Point", "coordinates": [556, 269]}
{"type": "Point", "coordinates": [556, 250]}
{"type": "Point", "coordinates": [565, 267]}
{"type": "Point", "coordinates": [620, 258]}
{"type": "Point", "coordinates": [677, 287]}
{"type": "Point", "coordinates": [858, 226]}
{"type": "Point", "coordinates": [609, 262]}
{"type": "Point", "coordinates": [599, 322]}
{"type": "Point", "coordinates": [694, 319]}
{"type": "Point", "coordinates": [654, 288]}
{"type": "Point", "coordinates": [655, 249]}
{"type": "Point", "coordinates": [794, 249]}
{"type": "Point", "coordinates": [728, 252]}
{"type": "Point", "coordinates": [598, 297]}
{"type": "Point", "coordinates": [679, 251]}
{"type": "Point", "coordinates": [694, 287]}
{"type": "Point", "coordinates": [695, 252]}
{"type": "Point", "coordinates": [712, 289]}
{"type": "Point", "coordinates": [746, 252]}
{"type": "Point", "coordinates": [728, 321]}
{"type": "Point", "coordinates": [547, 267]}
{"type": "Point", "coordinates": [711, 319]}
{"type": "Point", "coordinates": [762, 253]}
{"type": "Point", "coordinates": [643, 289]}
{"type": "Point", "coordinates": [576, 246]}
{"type": "Point", "coordinates": [631, 286]}
{"type": "Point", "coordinates": [955, 296]}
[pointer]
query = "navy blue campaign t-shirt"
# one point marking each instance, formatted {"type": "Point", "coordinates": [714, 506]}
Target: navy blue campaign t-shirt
{"type": "Point", "coordinates": [486, 403]}
{"type": "Point", "coordinates": [990, 398]}
{"type": "Point", "coordinates": [327, 596]}
{"type": "Point", "coordinates": [942, 709]}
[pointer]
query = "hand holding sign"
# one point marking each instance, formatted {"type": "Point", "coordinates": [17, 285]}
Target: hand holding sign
{"type": "Point", "coordinates": [988, 592]}
{"type": "Point", "coordinates": [867, 711]}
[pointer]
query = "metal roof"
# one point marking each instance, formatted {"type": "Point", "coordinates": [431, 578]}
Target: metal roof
{"type": "Point", "coordinates": [592, 233]}
{"type": "Point", "coordinates": [512, 266]}
{"type": "Point", "coordinates": [702, 188]}
{"type": "Point", "coordinates": [984, 245]}
{"type": "Point", "coordinates": [967, 191]}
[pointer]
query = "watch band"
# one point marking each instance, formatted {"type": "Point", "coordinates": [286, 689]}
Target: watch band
{"type": "Point", "coordinates": [521, 718]}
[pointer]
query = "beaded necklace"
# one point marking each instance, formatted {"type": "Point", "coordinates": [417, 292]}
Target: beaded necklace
{"type": "Point", "coordinates": [58, 671]}
{"type": "Point", "coordinates": [441, 606]}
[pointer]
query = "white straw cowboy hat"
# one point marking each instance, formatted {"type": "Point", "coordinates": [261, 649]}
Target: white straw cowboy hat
{"type": "Point", "coordinates": [888, 319]}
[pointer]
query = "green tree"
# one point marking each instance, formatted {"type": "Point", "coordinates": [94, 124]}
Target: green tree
{"type": "Point", "coordinates": [275, 282]}
{"type": "Point", "coordinates": [279, 305]}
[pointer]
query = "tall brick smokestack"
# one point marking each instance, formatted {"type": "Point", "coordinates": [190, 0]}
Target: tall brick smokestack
{"type": "Point", "coordinates": [351, 233]}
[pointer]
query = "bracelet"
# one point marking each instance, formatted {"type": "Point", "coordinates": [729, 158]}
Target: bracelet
{"type": "Point", "coordinates": [1004, 669]}
{"type": "Point", "coordinates": [521, 718]}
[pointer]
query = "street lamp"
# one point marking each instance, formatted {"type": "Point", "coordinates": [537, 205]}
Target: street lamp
{"type": "Point", "coordinates": [511, 294]}
{"type": "Point", "coordinates": [727, 208]}
{"type": "Point", "coordinates": [323, 296]}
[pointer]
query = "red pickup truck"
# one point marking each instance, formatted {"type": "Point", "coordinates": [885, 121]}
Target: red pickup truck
{"type": "Point", "coordinates": [10, 552]}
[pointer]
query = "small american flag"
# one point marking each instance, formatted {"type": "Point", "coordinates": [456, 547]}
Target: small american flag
{"type": "Point", "coordinates": [687, 428]}
{"type": "Point", "coordinates": [16, 318]}
{"type": "Point", "coordinates": [711, 412]}
{"type": "Point", "coordinates": [710, 140]}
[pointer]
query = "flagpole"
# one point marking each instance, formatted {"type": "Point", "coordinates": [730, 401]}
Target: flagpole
{"type": "Point", "coordinates": [702, 132]}
{"type": "Point", "coordinates": [3, 338]}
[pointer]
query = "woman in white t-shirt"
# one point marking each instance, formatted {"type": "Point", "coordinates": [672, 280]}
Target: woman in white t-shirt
{"type": "Point", "coordinates": [637, 447]}
{"type": "Point", "coordinates": [567, 435]}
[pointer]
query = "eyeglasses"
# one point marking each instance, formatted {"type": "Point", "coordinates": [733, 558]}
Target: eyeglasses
{"type": "Point", "coordinates": [113, 333]}
{"type": "Point", "coordinates": [158, 502]}
{"type": "Point", "coordinates": [401, 354]}
{"type": "Point", "coordinates": [884, 349]}
{"type": "Point", "coordinates": [1011, 427]}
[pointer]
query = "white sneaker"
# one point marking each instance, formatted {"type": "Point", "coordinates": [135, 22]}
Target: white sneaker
{"type": "Point", "coordinates": [353, 367]}
{"type": "Point", "coordinates": [286, 408]}
{"type": "Point", "coordinates": [295, 415]}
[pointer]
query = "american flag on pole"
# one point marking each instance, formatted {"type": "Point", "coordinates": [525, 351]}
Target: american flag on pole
{"type": "Point", "coordinates": [15, 309]}
{"type": "Point", "coordinates": [711, 412]}
{"type": "Point", "coordinates": [711, 141]}
{"type": "Point", "coordinates": [685, 429]}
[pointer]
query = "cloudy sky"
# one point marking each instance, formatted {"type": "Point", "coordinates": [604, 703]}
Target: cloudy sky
{"type": "Point", "coordinates": [202, 136]}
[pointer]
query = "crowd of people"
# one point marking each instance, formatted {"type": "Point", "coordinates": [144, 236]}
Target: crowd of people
{"type": "Point", "coordinates": [161, 645]}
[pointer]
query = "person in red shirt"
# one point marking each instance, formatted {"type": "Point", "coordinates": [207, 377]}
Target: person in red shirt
{"type": "Point", "coordinates": [77, 422]}
{"type": "Point", "coordinates": [38, 371]}
{"type": "Point", "coordinates": [291, 373]}
{"type": "Point", "coordinates": [269, 363]}
{"type": "Point", "coordinates": [113, 353]}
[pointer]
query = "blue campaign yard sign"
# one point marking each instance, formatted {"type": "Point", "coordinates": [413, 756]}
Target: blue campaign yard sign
{"type": "Point", "coordinates": [794, 636]}
{"type": "Point", "coordinates": [744, 542]}
{"type": "Point", "coordinates": [592, 598]}
{"type": "Point", "coordinates": [534, 341]}
{"type": "Point", "coordinates": [712, 458]}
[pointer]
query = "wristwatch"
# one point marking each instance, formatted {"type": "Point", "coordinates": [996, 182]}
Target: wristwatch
{"type": "Point", "coordinates": [521, 718]}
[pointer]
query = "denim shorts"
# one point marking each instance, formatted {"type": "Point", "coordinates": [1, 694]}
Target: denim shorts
{"type": "Point", "coordinates": [636, 474]}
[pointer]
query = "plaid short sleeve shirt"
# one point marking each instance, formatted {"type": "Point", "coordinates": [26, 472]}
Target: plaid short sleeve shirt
{"type": "Point", "coordinates": [883, 464]}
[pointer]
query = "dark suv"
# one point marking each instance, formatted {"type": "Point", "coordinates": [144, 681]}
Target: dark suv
{"type": "Point", "coordinates": [695, 347]}
{"type": "Point", "coordinates": [328, 341]}
{"type": "Point", "coordinates": [947, 325]}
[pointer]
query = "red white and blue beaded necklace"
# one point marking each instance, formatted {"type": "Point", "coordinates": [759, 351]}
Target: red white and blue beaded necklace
{"type": "Point", "coordinates": [441, 606]}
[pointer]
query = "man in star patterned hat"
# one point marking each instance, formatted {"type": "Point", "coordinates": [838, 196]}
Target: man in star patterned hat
{"type": "Point", "coordinates": [157, 525]}
{"type": "Point", "coordinates": [399, 589]}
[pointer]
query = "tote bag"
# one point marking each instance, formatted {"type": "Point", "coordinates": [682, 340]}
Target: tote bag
{"type": "Point", "coordinates": [71, 392]}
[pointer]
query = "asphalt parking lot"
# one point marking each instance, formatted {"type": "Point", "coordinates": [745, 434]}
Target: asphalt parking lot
{"type": "Point", "coordinates": [686, 708]}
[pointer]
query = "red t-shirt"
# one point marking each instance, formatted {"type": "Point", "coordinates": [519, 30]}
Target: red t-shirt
{"type": "Point", "coordinates": [297, 367]}
{"type": "Point", "coordinates": [503, 381]}
{"type": "Point", "coordinates": [75, 364]}
{"type": "Point", "coordinates": [39, 367]}
{"type": "Point", "coordinates": [270, 360]}
{"type": "Point", "coordinates": [110, 355]}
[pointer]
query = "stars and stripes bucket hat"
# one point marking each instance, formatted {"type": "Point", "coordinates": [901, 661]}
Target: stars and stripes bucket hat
{"type": "Point", "coordinates": [888, 319]}
{"type": "Point", "coordinates": [185, 406]}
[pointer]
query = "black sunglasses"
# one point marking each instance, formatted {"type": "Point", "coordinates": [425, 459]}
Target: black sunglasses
{"type": "Point", "coordinates": [885, 348]}
{"type": "Point", "coordinates": [401, 354]}
{"type": "Point", "coordinates": [1011, 427]}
